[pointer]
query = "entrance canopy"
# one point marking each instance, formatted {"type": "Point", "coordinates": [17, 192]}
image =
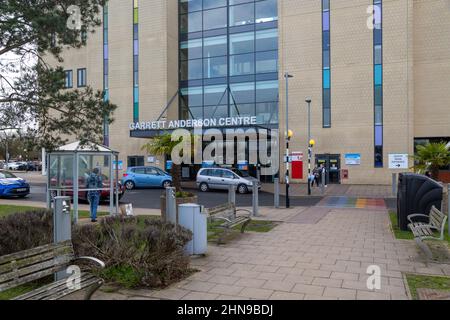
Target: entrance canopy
{"type": "Point", "coordinates": [69, 167]}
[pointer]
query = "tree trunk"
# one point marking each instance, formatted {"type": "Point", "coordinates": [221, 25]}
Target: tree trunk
{"type": "Point", "coordinates": [176, 177]}
{"type": "Point", "coordinates": [435, 173]}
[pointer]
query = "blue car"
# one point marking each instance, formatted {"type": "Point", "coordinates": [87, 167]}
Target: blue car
{"type": "Point", "coordinates": [12, 186]}
{"type": "Point", "coordinates": [145, 177]}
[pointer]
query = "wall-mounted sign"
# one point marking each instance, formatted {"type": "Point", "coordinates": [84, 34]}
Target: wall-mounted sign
{"type": "Point", "coordinates": [118, 166]}
{"type": "Point", "coordinates": [398, 161]}
{"type": "Point", "coordinates": [169, 164]}
{"type": "Point", "coordinates": [151, 159]}
{"type": "Point", "coordinates": [353, 159]}
{"type": "Point", "coordinates": [193, 123]}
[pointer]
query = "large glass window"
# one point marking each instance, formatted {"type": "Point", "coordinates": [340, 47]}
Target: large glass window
{"type": "Point", "coordinates": [218, 71]}
{"type": "Point", "coordinates": [242, 14]}
{"type": "Point", "coordinates": [215, 19]}
{"type": "Point", "coordinates": [68, 83]}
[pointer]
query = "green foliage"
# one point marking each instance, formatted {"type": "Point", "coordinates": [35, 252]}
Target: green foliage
{"type": "Point", "coordinates": [432, 156]}
{"type": "Point", "coordinates": [147, 253]}
{"type": "Point", "coordinates": [6, 210]}
{"type": "Point", "coordinates": [426, 282]}
{"type": "Point", "coordinates": [22, 231]}
{"type": "Point", "coordinates": [214, 229]}
{"type": "Point", "coordinates": [31, 90]}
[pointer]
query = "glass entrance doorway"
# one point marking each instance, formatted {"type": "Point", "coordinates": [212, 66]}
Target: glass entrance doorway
{"type": "Point", "coordinates": [332, 163]}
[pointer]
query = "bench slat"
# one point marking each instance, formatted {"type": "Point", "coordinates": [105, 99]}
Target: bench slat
{"type": "Point", "coordinates": [57, 262]}
{"type": "Point", "coordinates": [32, 252]}
{"type": "Point", "coordinates": [58, 289]}
{"type": "Point", "coordinates": [31, 260]}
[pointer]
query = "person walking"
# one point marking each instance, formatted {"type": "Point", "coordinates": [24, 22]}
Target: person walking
{"type": "Point", "coordinates": [94, 181]}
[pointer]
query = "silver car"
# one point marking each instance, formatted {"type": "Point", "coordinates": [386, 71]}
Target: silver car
{"type": "Point", "coordinates": [220, 178]}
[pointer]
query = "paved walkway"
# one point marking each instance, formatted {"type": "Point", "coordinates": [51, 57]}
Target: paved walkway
{"type": "Point", "coordinates": [318, 253]}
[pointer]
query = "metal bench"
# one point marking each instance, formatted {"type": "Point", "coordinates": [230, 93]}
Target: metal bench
{"type": "Point", "coordinates": [29, 265]}
{"type": "Point", "coordinates": [228, 213]}
{"type": "Point", "coordinates": [426, 231]}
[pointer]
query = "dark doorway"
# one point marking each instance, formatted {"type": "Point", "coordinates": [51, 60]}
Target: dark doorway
{"type": "Point", "coordinates": [135, 161]}
{"type": "Point", "coordinates": [332, 163]}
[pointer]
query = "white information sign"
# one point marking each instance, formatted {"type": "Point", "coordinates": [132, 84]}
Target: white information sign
{"type": "Point", "coordinates": [398, 161]}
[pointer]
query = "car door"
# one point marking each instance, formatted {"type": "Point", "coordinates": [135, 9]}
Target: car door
{"type": "Point", "coordinates": [227, 179]}
{"type": "Point", "coordinates": [215, 178]}
{"type": "Point", "coordinates": [140, 177]}
{"type": "Point", "coordinates": [152, 179]}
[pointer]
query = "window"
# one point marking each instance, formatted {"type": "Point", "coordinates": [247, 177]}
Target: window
{"type": "Point", "coordinates": [378, 83]}
{"type": "Point", "coordinates": [68, 79]}
{"type": "Point", "coordinates": [242, 64]}
{"type": "Point", "coordinates": [215, 19]}
{"type": "Point", "coordinates": [190, 5]}
{"type": "Point", "coordinates": [267, 61]}
{"type": "Point", "coordinates": [214, 46]}
{"type": "Point", "coordinates": [191, 22]}
{"type": "Point", "coordinates": [215, 67]}
{"type": "Point", "coordinates": [242, 14]}
{"type": "Point", "coordinates": [135, 161]}
{"type": "Point", "coordinates": [191, 69]}
{"type": "Point", "coordinates": [326, 65]}
{"type": "Point", "coordinates": [214, 95]}
{"type": "Point", "coordinates": [81, 78]}
{"type": "Point", "coordinates": [267, 40]}
{"type": "Point", "coordinates": [266, 11]}
{"type": "Point", "coordinates": [242, 42]}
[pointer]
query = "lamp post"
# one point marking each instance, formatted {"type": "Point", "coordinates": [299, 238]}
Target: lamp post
{"type": "Point", "coordinates": [310, 144]}
{"type": "Point", "coordinates": [287, 137]}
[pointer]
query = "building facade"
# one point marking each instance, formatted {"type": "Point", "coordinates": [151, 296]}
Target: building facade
{"type": "Point", "coordinates": [376, 71]}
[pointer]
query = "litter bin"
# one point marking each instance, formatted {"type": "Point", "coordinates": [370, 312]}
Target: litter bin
{"type": "Point", "coordinates": [192, 218]}
{"type": "Point", "coordinates": [416, 194]}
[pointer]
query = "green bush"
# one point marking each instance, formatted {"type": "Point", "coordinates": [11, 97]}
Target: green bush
{"type": "Point", "coordinates": [151, 249]}
{"type": "Point", "coordinates": [22, 231]}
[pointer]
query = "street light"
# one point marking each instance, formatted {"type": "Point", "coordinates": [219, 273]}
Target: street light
{"type": "Point", "coordinates": [311, 144]}
{"type": "Point", "coordinates": [287, 137]}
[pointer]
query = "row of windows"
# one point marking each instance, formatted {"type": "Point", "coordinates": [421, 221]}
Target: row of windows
{"type": "Point", "coordinates": [234, 15]}
{"type": "Point", "coordinates": [81, 78]}
{"type": "Point", "coordinates": [135, 61]}
{"type": "Point", "coordinates": [105, 71]}
{"type": "Point", "coordinates": [326, 72]}
{"type": "Point", "coordinates": [378, 83]}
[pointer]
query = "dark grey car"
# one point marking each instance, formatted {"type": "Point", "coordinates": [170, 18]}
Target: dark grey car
{"type": "Point", "coordinates": [220, 178]}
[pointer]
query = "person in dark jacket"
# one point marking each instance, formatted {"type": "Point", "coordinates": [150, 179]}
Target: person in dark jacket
{"type": "Point", "coordinates": [94, 181]}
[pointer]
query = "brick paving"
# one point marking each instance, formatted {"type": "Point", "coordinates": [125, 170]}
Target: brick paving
{"type": "Point", "coordinates": [325, 259]}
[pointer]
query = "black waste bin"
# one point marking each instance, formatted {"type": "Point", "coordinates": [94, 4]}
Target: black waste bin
{"type": "Point", "coordinates": [416, 194]}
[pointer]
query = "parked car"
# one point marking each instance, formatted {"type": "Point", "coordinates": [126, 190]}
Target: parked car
{"type": "Point", "coordinates": [145, 177]}
{"type": "Point", "coordinates": [83, 195]}
{"type": "Point", "coordinates": [13, 186]}
{"type": "Point", "coordinates": [220, 178]}
{"type": "Point", "coordinates": [13, 165]}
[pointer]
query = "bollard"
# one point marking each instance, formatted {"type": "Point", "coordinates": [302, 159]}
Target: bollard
{"type": "Point", "coordinates": [62, 226]}
{"type": "Point", "coordinates": [232, 194]}
{"type": "Point", "coordinates": [171, 206]}
{"type": "Point", "coordinates": [255, 199]}
{"type": "Point", "coordinates": [276, 193]}
{"type": "Point", "coordinates": [394, 184]}
{"type": "Point", "coordinates": [322, 185]}
{"type": "Point", "coordinates": [448, 207]}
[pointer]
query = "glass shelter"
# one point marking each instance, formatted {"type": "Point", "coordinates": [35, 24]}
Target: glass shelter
{"type": "Point", "coordinates": [69, 167]}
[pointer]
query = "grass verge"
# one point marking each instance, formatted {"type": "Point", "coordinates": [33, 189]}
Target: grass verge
{"type": "Point", "coordinates": [6, 209]}
{"type": "Point", "coordinates": [399, 234]}
{"type": "Point", "coordinates": [426, 282]}
{"type": "Point", "coordinates": [214, 229]}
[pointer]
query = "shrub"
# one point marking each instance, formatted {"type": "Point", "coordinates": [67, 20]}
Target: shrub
{"type": "Point", "coordinates": [22, 231]}
{"type": "Point", "coordinates": [151, 249]}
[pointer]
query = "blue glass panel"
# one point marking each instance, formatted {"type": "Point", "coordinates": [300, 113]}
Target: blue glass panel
{"type": "Point", "coordinates": [105, 51]}
{"type": "Point", "coordinates": [326, 79]}
{"type": "Point", "coordinates": [378, 74]}
{"type": "Point", "coordinates": [326, 40]}
{"type": "Point", "coordinates": [135, 47]}
{"type": "Point", "coordinates": [377, 36]}
{"type": "Point", "coordinates": [136, 94]}
{"type": "Point", "coordinates": [378, 135]}
{"type": "Point", "coordinates": [326, 21]}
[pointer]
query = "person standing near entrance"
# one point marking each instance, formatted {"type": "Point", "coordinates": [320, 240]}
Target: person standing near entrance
{"type": "Point", "coordinates": [94, 182]}
{"type": "Point", "coordinates": [323, 172]}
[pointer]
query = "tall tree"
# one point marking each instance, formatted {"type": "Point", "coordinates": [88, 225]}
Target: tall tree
{"type": "Point", "coordinates": [32, 91]}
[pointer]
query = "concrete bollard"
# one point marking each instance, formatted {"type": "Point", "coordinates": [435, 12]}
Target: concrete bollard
{"type": "Point", "coordinates": [394, 184]}
{"type": "Point", "coordinates": [171, 206]}
{"type": "Point", "coordinates": [232, 194]}
{"type": "Point", "coordinates": [255, 198]}
{"type": "Point", "coordinates": [276, 193]}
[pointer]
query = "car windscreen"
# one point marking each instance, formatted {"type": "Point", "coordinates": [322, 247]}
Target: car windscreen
{"type": "Point", "coordinates": [6, 175]}
{"type": "Point", "coordinates": [240, 173]}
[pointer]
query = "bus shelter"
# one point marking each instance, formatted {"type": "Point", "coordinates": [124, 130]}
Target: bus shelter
{"type": "Point", "coordinates": [69, 167]}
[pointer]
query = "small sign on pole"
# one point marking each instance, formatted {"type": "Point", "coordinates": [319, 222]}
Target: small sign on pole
{"type": "Point", "coordinates": [398, 161]}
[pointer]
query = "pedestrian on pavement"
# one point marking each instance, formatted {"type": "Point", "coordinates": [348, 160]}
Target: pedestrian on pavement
{"type": "Point", "coordinates": [94, 181]}
{"type": "Point", "coordinates": [311, 179]}
{"type": "Point", "coordinates": [323, 172]}
{"type": "Point", "coordinates": [317, 176]}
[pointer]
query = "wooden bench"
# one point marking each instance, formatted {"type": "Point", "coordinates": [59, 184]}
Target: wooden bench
{"type": "Point", "coordinates": [29, 265]}
{"type": "Point", "coordinates": [227, 212]}
{"type": "Point", "coordinates": [426, 230]}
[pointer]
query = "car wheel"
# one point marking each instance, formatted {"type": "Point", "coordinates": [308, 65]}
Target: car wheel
{"type": "Point", "coordinates": [129, 185]}
{"type": "Point", "coordinates": [167, 184]}
{"type": "Point", "coordinates": [204, 187]}
{"type": "Point", "coordinates": [242, 189]}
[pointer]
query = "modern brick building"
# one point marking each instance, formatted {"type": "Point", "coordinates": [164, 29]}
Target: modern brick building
{"type": "Point", "coordinates": [377, 72]}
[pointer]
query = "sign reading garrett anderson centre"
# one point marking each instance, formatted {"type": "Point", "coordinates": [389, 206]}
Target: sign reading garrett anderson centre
{"type": "Point", "coordinates": [193, 123]}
